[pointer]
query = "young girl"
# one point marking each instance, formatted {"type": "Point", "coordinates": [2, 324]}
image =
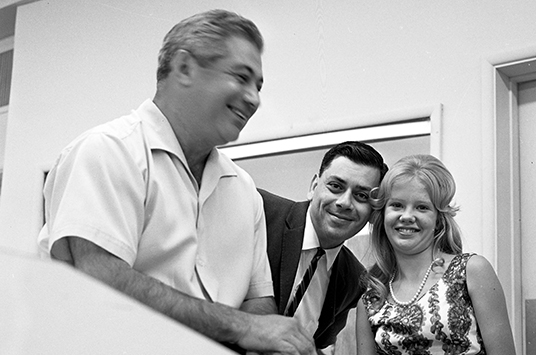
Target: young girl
{"type": "Point", "coordinates": [425, 296]}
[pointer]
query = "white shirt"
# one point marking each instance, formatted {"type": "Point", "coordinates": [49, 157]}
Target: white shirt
{"type": "Point", "coordinates": [310, 307]}
{"type": "Point", "coordinates": [126, 186]}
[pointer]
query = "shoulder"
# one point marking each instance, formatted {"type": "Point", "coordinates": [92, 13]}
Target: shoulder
{"type": "Point", "coordinates": [346, 259]}
{"type": "Point", "coordinates": [470, 262]}
{"type": "Point", "coordinates": [351, 272]}
{"type": "Point", "coordinates": [106, 135]}
{"type": "Point", "coordinates": [478, 266]}
{"type": "Point", "coordinates": [269, 197]}
{"type": "Point", "coordinates": [458, 260]}
{"type": "Point", "coordinates": [120, 127]}
{"type": "Point", "coordinates": [275, 204]}
{"type": "Point", "coordinates": [472, 267]}
{"type": "Point", "coordinates": [346, 254]}
{"type": "Point", "coordinates": [94, 145]}
{"type": "Point", "coordinates": [482, 282]}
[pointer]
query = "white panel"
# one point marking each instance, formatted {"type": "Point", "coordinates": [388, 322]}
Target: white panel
{"type": "Point", "coordinates": [527, 174]}
{"type": "Point", "coordinates": [364, 134]}
{"type": "Point", "coordinates": [49, 308]}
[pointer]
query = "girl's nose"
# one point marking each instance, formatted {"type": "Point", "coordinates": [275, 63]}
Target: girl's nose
{"type": "Point", "coordinates": [407, 215]}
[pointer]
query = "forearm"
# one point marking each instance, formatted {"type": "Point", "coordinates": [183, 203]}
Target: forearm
{"type": "Point", "coordinates": [268, 333]}
{"type": "Point", "coordinates": [263, 305]}
{"type": "Point", "coordinates": [219, 322]}
{"type": "Point", "coordinates": [264, 333]}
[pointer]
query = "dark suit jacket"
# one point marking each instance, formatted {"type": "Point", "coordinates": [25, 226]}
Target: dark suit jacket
{"type": "Point", "coordinates": [285, 221]}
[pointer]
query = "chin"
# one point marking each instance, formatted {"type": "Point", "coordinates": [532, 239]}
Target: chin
{"type": "Point", "coordinates": [233, 139]}
{"type": "Point", "coordinates": [233, 136]}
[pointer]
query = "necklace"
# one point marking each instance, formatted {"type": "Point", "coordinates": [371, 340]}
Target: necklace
{"type": "Point", "coordinates": [421, 286]}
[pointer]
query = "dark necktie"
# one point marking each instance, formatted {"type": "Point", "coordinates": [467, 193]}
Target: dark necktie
{"type": "Point", "coordinates": [302, 287]}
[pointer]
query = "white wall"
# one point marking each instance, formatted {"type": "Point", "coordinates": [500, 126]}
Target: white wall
{"type": "Point", "coordinates": [327, 65]}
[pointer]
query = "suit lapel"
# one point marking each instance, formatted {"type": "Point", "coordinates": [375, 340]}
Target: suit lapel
{"type": "Point", "coordinates": [291, 245]}
{"type": "Point", "coordinates": [329, 309]}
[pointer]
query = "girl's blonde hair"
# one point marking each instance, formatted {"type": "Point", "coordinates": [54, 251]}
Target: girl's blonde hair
{"type": "Point", "coordinates": [440, 186]}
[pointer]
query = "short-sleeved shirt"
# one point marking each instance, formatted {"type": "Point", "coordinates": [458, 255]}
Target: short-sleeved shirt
{"type": "Point", "coordinates": [126, 187]}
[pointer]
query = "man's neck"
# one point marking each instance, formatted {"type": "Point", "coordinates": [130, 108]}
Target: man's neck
{"type": "Point", "coordinates": [196, 149]}
{"type": "Point", "coordinates": [197, 167]}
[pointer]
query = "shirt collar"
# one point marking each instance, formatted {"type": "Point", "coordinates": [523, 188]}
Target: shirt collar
{"type": "Point", "coordinates": [310, 241]}
{"type": "Point", "coordinates": [160, 135]}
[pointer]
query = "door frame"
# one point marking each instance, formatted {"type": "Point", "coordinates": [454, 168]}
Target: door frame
{"type": "Point", "coordinates": [500, 188]}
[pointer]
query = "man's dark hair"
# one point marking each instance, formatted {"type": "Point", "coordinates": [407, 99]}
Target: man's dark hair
{"type": "Point", "coordinates": [358, 152]}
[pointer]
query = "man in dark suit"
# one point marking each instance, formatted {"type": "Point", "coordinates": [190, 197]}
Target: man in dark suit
{"type": "Point", "coordinates": [338, 208]}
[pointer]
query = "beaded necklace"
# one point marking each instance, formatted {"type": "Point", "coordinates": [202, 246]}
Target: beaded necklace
{"type": "Point", "coordinates": [421, 286]}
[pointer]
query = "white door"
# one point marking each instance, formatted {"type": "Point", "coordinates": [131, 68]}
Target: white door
{"type": "Point", "coordinates": [527, 173]}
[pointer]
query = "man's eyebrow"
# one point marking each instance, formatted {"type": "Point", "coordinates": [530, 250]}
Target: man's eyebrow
{"type": "Point", "coordinates": [336, 177]}
{"type": "Point", "coordinates": [342, 181]}
{"type": "Point", "coordinates": [259, 81]}
{"type": "Point", "coordinates": [363, 188]}
{"type": "Point", "coordinates": [247, 67]}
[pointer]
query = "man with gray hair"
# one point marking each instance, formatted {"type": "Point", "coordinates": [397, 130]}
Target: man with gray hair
{"type": "Point", "coordinates": [148, 205]}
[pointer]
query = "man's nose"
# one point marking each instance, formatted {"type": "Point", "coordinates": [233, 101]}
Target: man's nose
{"type": "Point", "coordinates": [252, 96]}
{"type": "Point", "coordinates": [345, 199]}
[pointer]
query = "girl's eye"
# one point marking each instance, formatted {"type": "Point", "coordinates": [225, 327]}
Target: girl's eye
{"type": "Point", "coordinates": [395, 204]}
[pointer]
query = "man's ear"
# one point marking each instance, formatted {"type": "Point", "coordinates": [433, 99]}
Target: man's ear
{"type": "Point", "coordinates": [370, 217]}
{"type": "Point", "coordinates": [183, 66]}
{"type": "Point", "coordinates": [312, 187]}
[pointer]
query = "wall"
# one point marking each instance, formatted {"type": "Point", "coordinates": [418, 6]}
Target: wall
{"type": "Point", "coordinates": [327, 66]}
{"type": "Point", "coordinates": [7, 30]}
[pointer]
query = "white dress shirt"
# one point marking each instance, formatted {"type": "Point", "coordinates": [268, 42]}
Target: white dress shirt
{"type": "Point", "coordinates": [309, 309]}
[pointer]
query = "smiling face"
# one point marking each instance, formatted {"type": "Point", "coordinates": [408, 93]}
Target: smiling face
{"type": "Point", "coordinates": [228, 91]}
{"type": "Point", "coordinates": [339, 200]}
{"type": "Point", "coordinates": [410, 217]}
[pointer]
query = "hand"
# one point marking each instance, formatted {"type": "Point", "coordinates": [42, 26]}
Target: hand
{"type": "Point", "coordinates": [276, 334]}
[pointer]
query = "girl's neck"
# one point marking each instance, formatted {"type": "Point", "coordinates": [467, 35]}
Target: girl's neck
{"type": "Point", "coordinates": [415, 266]}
